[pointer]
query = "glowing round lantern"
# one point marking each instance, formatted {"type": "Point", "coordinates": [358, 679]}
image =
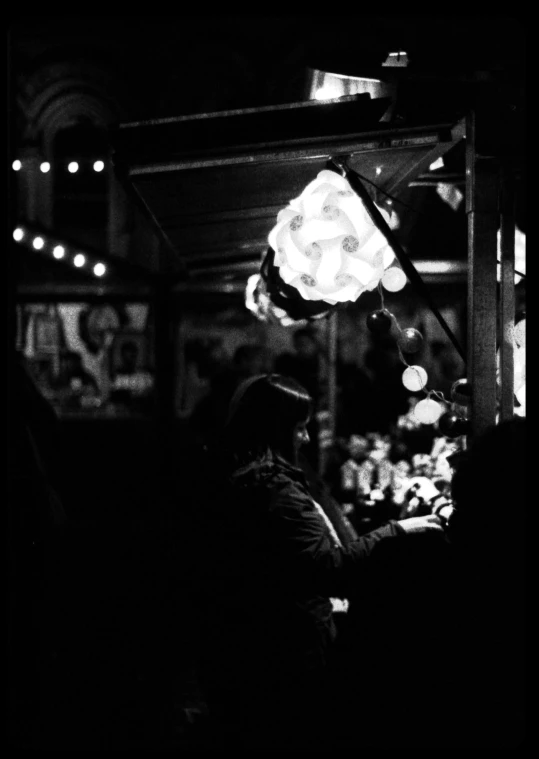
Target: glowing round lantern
{"type": "Point", "coordinates": [428, 411]}
{"type": "Point", "coordinates": [414, 378]}
{"type": "Point", "coordinates": [379, 322]}
{"type": "Point", "coordinates": [394, 279]}
{"type": "Point", "coordinates": [461, 392]}
{"type": "Point", "coordinates": [452, 425]}
{"type": "Point", "coordinates": [410, 340]}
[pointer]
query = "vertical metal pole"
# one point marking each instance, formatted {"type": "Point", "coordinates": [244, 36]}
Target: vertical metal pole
{"type": "Point", "coordinates": [117, 235]}
{"type": "Point", "coordinates": [332, 371]}
{"type": "Point", "coordinates": [507, 293]}
{"type": "Point", "coordinates": [164, 353]}
{"type": "Point", "coordinates": [482, 180]}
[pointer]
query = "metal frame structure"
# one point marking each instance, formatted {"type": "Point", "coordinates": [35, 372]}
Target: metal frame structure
{"type": "Point", "coordinates": [144, 164]}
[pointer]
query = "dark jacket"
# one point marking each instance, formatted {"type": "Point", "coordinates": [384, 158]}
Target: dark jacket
{"type": "Point", "coordinates": [264, 591]}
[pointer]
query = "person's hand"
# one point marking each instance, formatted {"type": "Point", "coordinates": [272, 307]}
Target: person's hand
{"type": "Point", "coordinates": [428, 523]}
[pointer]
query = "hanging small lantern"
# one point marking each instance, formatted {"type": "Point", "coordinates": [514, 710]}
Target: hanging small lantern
{"type": "Point", "coordinates": [379, 322]}
{"type": "Point", "coordinates": [394, 279]}
{"type": "Point", "coordinates": [428, 411]}
{"type": "Point", "coordinates": [326, 245]}
{"type": "Point", "coordinates": [414, 378]}
{"type": "Point", "coordinates": [461, 392]}
{"type": "Point", "coordinates": [452, 425]}
{"type": "Point", "coordinates": [286, 297]}
{"type": "Point", "coordinates": [410, 340]}
{"type": "Point", "coordinates": [260, 304]}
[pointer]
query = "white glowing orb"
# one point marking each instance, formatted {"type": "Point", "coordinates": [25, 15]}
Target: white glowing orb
{"type": "Point", "coordinates": [73, 167]}
{"type": "Point", "coordinates": [99, 166]}
{"type": "Point", "coordinates": [428, 411]}
{"type": "Point", "coordinates": [38, 243]}
{"type": "Point", "coordinates": [45, 167]}
{"type": "Point", "coordinates": [99, 270]}
{"type": "Point", "coordinates": [326, 244]}
{"type": "Point", "coordinates": [414, 378]}
{"type": "Point", "coordinates": [16, 165]}
{"type": "Point", "coordinates": [394, 279]}
{"type": "Point", "coordinates": [79, 260]}
{"type": "Point", "coordinates": [58, 252]}
{"type": "Point", "coordinates": [18, 234]}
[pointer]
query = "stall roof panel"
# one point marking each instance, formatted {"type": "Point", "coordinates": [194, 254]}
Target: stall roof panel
{"type": "Point", "coordinates": [214, 183]}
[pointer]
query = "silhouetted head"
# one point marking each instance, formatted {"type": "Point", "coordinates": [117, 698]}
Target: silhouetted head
{"type": "Point", "coordinates": [267, 415]}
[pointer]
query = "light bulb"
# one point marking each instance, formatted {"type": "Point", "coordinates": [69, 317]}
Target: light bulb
{"type": "Point", "coordinates": [99, 166]}
{"type": "Point", "coordinates": [99, 270]}
{"type": "Point", "coordinates": [394, 279]}
{"type": "Point", "coordinates": [16, 165]}
{"type": "Point", "coordinates": [428, 411]}
{"type": "Point", "coordinates": [38, 243]}
{"type": "Point", "coordinates": [73, 167]}
{"type": "Point", "coordinates": [45, 167]}
{"type": "Point", "coordinates": [18, 234]}
{"type": "Point", "coordinates": [58, 252]}
{"type": "Point", "coordinates": [79, 260]}
{"type": "Point", "coordinates": [414, 378]}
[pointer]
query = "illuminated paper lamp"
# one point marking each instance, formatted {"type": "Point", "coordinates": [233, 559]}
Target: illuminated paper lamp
{"type": "Point", "coordinates": [326, 245]}
{"type": "Point", "coordinates": [428, 411]}
{"type": "Point", "coordinates": [394, 279]}
{"type": "Point", "coordinates": [414, 378]}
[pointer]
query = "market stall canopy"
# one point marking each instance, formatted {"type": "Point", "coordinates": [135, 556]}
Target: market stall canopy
{"type": "Point", "coordinates": [214, 183]}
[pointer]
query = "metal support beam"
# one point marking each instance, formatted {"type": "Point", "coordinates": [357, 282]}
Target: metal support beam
{"type": "Point", "coordinates": [164, 353]}
{"type": "Point", "coordinates": [482, 185]}
{"type": "Point", "coordinates": [507, 293]}
{"type": "Point", "coordinates": [332, 335]}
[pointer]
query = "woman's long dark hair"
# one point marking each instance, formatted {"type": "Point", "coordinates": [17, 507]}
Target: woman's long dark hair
{"type": "Point", "coordinates": [263, 414]}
